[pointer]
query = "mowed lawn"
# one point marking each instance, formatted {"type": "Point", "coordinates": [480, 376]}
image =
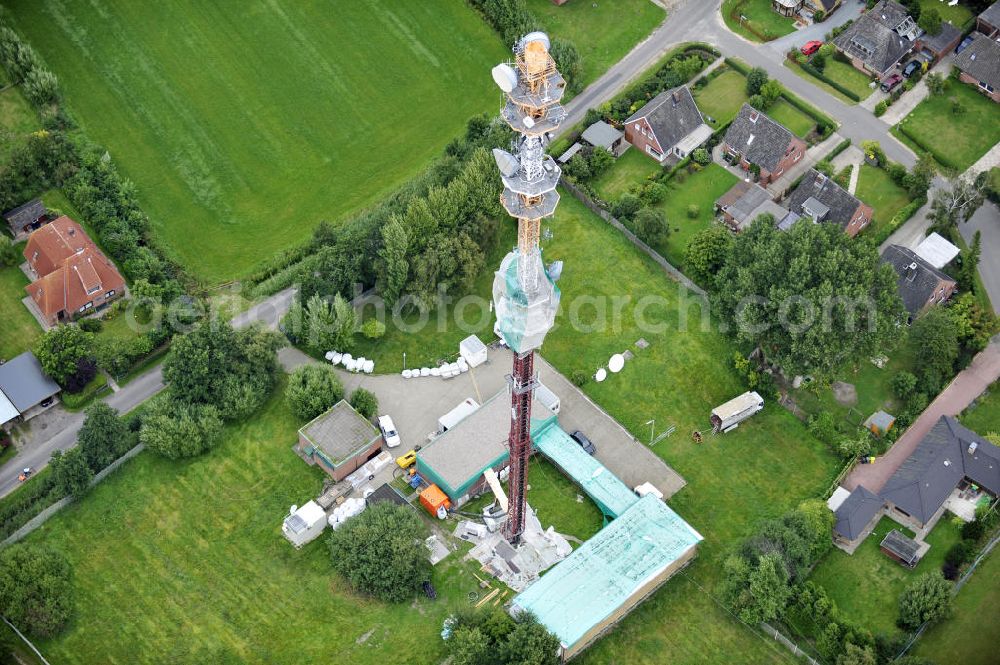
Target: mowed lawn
{"type": "Point", "coordinates": [244, 125]}
{"type": "Point", "coordinates": [184, 562]}
{"type": "Point", "coordinates": [969, 636]}
{"type": "Point", "coordinates": [878, 190]}
{"type": "Point", "coordinates": [984, 417]}
{"type": "Point", "coordinates": [866, 585]}
{"type": "Point", "coordinates": [722, 98]}
{"type": "Point", "coordinates": [762, 23]}
{"type": "Point", "coordinates": [960, 138]}
{"type": "Point", "coordinates": [700, 189]}
{"type": "Point", "coordinates": [633, 168]}
{"type": "Point", "coordinates": [794, 120]}
{"type": "Point", "coordinates": [17, 120]}
{"type": "Point", "coordinates": [603, 32]}
{"type": "Point", "coordinates": [20, 330]}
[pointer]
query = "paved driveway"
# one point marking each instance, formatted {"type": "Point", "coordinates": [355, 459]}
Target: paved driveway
{"type": "Point", "coordinates": [416, 404]}
{"type": "Point", "coordinates": [987, 221]}
{"type": "Point", "coordinates": [850, 10]}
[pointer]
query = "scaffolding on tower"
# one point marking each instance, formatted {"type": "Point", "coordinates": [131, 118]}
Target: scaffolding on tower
{"type": "Point", "coordinates": [525, 295]}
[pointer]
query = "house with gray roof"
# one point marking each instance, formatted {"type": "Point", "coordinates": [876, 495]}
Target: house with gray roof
{"type": "Point", "coordinates": [25, 386]}
{"type": "Point", "coordinates": [877, 41]}
{"type": "Point", "coordinates": [979, 65]}
{"type": "Point", "coordinates": [745, 202]}
{"type": "Point", "coordinates": [950, 456]}
{"type": "Point", "coordinates": [25, 218]}
{"type": "Point", "coordinates": [988, 23]}
{"type": "Point", "coordinates": [818, 197]}
{"type": "Point", "coordinates": [934, 47]}
{"type": "Point", "coordinates": [669, 125]}
{"type": "Point", "coordinates": [602, 135]}
{"type": "Point", "coordinates": [755, 139]}
{"type": "Point", "coordinates": [339, 441]}
{"type": "Point", "coordinates": [856, 516]}
{"type": "Point", "coordinates": [921, 285]}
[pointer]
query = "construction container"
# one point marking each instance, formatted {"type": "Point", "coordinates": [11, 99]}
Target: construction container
{"type": "Point", "coordinates": [434, 501]}
{"type": "Point", "coordinates": [729, 415]}
{"type": "Point", "coordinates": [305, 524]}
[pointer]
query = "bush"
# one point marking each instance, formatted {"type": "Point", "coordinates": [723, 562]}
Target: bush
{"type": "Point", "coordinates": [625, 208]}
{"type": "Point", "coordinates": [579, 378]}
{"type": "Point", "coordinates": [904, 384]}
{"type": "Point", "coordinates": [36, 588]}
{"type": "Point", "coordinates": [175, 429]}
{"type": "Point", "coordinates": [960, 553]}
{"type": "Point", "coordinates": [91, 325]}
{"type": "Point", "coordinates": [364, 402]}
{"type": "Point", "coordinates": [41, 87]}
{"type": "Point", "coordinates": [651, 226]}
{"type": "Point", "coordinates": [381, 552]}
{"type": "Point", "coordinates": [71, 472]}
{"type": "Point", "coordinates": [756, 78]}
{"type": "Point", "coordinates": [926, 599]}
{"type": "Point", "coordinates": [86, 370]}
{"type": "Point", "coordinates": [491, 635]}
{"type": "Point", "coordinates": [693, 211]}
{"type": "Point", "coordinates": [311, 390]}
{"type": "Point", "coordinates": [881, 108]}
{"type": "Point", "coordinates": [973, 530]}
{"type": "Point", "coordinates": [702, 156]}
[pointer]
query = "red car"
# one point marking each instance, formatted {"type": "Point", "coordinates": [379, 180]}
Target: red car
{"type": "Point", "coordinates": [891, 81]}
{"type": "Point", "coordinates": [811, 47]}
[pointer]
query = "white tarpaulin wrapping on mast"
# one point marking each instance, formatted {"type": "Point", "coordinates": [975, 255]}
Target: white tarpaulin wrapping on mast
{"type": "Point", "coordinates": [524, 318]}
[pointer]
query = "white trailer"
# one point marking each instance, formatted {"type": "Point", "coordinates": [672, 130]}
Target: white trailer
{"type": "Point", "coordinates": [729, 415]}
{"type": "Point", "coordinates": [473, 351]}
{"type": "Point", "coordinates": [452, 418]}
{"type": "Point", "coordinates": [305, 524]}
{"type": "Point", "coordinates": [547, 397]}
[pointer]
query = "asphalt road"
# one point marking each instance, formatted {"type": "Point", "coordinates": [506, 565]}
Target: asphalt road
{"type": "Point", "coordinates": [987, 221]}
{"type": "Point", "coordinates": [56, 429]}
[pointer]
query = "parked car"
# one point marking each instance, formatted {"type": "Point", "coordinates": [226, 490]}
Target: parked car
{"type": "Point", "coordinates": [582, 441]}
{"type": "Point", "coordinates": [811, 47]}
{"type": "Point", "coordinates": [911, 68]}
{"type": "Point", "coordinates": [964, 44]}
{"type": "Point", "coordinates": [388, 431]}
{"type": "Point", "coordinates": [891, 81]}
{"type": "Point", "coordinates": [408, 459]}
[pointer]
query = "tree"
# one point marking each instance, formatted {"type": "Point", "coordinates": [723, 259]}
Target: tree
{"type": "Point", "coordinates": [530, 643]}
{"type": "Point", "coordinates": [935, 337]}
{"type": "Point", "coordinates": [771, 92]}
{"type": "Point", "coordinates": [819, 62]}
{"type": "Point", "coordinates": [926, 599]}
{"type": "Point", "coordinates": [809, 297]}
{"type": "Point", "coordinates": [600, 161]}
{"type": "Point", "coordinates": [904, 384]}
{"type": "Point", "coordinates": [175, 429]}
{"type": "Point", "coordinates": [651, 226]}
{"type": "Point", "coordinates": [756, 78]}
{"type": "Point", "coordinates": [818, 520]}
{"type": "Point", "coordinates": [974, 325]}
{"type": "Point", "coordinates": [936, 83]}
{"type": "Point", "coordinates": [381, 552]}
{"type": "Point", "coordinates": [918, 180]}
{"type": "Point", "coordinates": [970, 263]}
{"type": "Point", "coordinates": [956, 204]}
{"type": "Point", "coordinates": [706, 253]}
{"type": "Point", "coordinates": [856, 655]}
{"type": "Point", "coordinates": [930, 21]}
{"type": "Point", "coordinates": [9, 255]}
{"type": "Point", "coordinates": [769, 589]}
{"type": "Point", "coordinates": [395, 265]}
{"type": "Point", "coordinates": [345, 322]}
{"type": "Point", "coordinates": [71, 473]}
{"type": "Point", "coordinates": [701, 156]}
{"type": "Point", "coordinates": [857, 447]}
{"type": "Point", "coordinates": [364, 402]}
{"type": "Point", "coordinates": [493, 637]}
{"type": "Point", "coordinates": [569, 63]}
{"type": "Point", "coordinates": [104, 437]}
{"type": "Point", "coordinates": [36, 588]}
{"type": "Point", "coordinates": [60, 350]}
{"type": "Point", "coordinates": [626, 207]}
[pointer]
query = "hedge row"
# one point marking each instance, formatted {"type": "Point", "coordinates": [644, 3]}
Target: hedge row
{"type": "Point", "coordinates": [900, 218]}
{"type": "Point", "coordinates": [812, 71]}
{"type": "Point", "coordinates": [841, 147]}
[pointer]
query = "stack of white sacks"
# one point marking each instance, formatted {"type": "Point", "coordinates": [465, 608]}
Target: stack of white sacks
{"type": "Point", "coordinates": [350, 363]}
{"type": "Point", "coordinates": [345, 511]}
{"type": "Point", "coordinates": [444, 371]}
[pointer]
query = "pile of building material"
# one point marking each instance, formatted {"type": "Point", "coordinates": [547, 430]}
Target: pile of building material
{"type": "Point", "coordinates": [350, 363]}
{"type": "Point", "coordinates": [345, 511]}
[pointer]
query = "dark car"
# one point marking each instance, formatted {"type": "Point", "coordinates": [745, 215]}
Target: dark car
{"type": "Point", "coordinates": [964, 44]}
{"type": "Point", "coordinates": [891, 82]}
{"type": "Point", "coordinates": [912, 67]}
{"type": "Point", "coordinates": [585, 443]}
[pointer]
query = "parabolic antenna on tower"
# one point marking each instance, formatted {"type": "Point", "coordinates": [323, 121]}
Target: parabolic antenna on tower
{"type": "Point", "coordinates": [505, 77]}
{"type": "Point", "coordinates": [506, 162]}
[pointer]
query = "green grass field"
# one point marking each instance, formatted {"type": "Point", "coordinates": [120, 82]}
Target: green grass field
{"type": "Point", "coordinates": [843, 73]}
{"type": "Point", "coordinates": [244, 125]}
{"type": "Point", "coordinates": [794, 120]}
{"type": "Point", "coordinates": [866, 585]}
{"type": "Point", "coordinates": [957, 14]}
{"type": "Point", "coordinates": [960, 138]}
{"type": "Point", "coordinates": [878, 190]}
{"type": "Point", "coordinates": [762, 23]}
{"type": "Point", "coordinates": [634, 167]}
{"type": "Point", "coordinates": [984, 416]}
{"type": "Point", "coordinates": [722, 98]}
{"type": "Point", "coordinates": [603, 31]}
{"type": "Point", "coordinates": [19, 330]}
{"type": "Point", "coordinates": [968, 636]}
{"type": "Point", "coordinates": [17, 120]}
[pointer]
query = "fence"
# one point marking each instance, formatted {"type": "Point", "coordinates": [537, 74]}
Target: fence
{"type": "Point", "coordinates": [791, 646]}
{"type": "Point", "coordinates": [676, 274]}
{"type": "Point", "coordinates": [42, 517]}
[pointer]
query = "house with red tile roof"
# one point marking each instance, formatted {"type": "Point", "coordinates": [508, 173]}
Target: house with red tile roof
{"type": "Point", "coordinates": [72, 276]}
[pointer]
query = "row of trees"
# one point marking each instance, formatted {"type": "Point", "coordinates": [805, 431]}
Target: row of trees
{"type": "Point", "coordinates": [25, 68]}
{"type": "Point", "coordinates": [494, 637]}
{"type": "Point", "coordinates": [312, 389]}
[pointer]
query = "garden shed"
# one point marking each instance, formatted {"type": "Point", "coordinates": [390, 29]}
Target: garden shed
{"type": "Point", "coordinates": [901, 548]}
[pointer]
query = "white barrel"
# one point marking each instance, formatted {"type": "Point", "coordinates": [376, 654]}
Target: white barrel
{"type": "Point", "coordinates": [336, 358]}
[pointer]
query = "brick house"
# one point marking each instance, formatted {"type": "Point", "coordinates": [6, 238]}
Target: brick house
{"type": "Point", "coordinates": [820, 198]}
{"type": "Point", "coordinates": [877, 41]}
{"type": "Point", "coordinates": [753, 138]}
{"type": "Point", "coordinates": [979, 65]}
{"type": "Point", "coordinates": [669, 125]}
{"type": "Point", "coordinates": [72, 276]}
{"type": "Point", "coordinates": [934, 47]}
{"type": "Point", "coordinates": [988, 23]}
{"type": "Point", "coordinates": [921, 285]}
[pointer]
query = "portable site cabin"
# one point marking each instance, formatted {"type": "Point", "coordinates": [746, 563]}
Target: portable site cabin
{"type": "Point", "coordinates": [473, 350]}
{"type": "Point", "coordinates": [453, 417]}
{"type": "Point", "coordinates": [729, 415]}
{"type": "Point", "coordinates": [305, 524]}
{"type": "Point", "coordinates": [547, 397]}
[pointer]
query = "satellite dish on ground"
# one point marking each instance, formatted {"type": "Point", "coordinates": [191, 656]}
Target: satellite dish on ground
{"type": "Point", "coordinates": [506, 162]}
{"type": "Point", "coordinates": [537, 36]}
{"type": "Point", "coordinates": [616, 363]}
{"type": "Point", "coordinates": [601, 375]}
{"type": "Point", "coordinates": [505, 77]}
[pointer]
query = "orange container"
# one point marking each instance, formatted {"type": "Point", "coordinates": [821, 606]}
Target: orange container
{"type": "Point", "coordinates": [433, 498]}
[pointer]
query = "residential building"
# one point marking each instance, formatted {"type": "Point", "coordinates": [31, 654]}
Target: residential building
{"type": "Point", "coordinates": [988, 23]}
{"type": "Point", "coordinates": [670, 125]}
{"type": "Point", "coordinates": [72, 276]}
{"type": "Point", "coordinates": [602, 135]}
{"type": "Point", "coordinates": [879, 39]}
{"type": "Point", "coordinates": [949, 457]}
{"type": "Point", "coordinates": [979, 65]}
{"type": "Point", "coordinates": [25, 389]}
{"type": "Point", "coordinates": [753, 138]}
{"type": "Point", "coordinates": [856, 516]}
{"type": "Point", "coordinates": [25, 218]}
{"type": "Point", "coordinates": [820, 198]}
{"type": "Point", "coordinates": [921, 285]}
{"type": "Point", "coordinates": [934, 47]}
{"type": "Point", "coordinates": [786, 7]}
{"type": "Point", "coordinates": [745, 202]}
{"type": "Point", "coordinates": [339, 441]}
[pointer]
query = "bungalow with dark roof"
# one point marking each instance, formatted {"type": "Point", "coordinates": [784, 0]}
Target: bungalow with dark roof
{"type": "Point", "coordinates": [670, 125]}
{"type": "Point", "coordinates": [25, 218]}
{"type": "Point", "coordinates": [820, 198]}
{"type": "Point", "coordinates": [602, 135]}
{"type": "Point", "coordinates": [856, 516]}
{"type": "Point", "coordinates": [877, 41]}
{"type": "Point", "coordinates": [979, 65]}
{"type": "Point", "coordinates": [753, 138]}
{"type": "Point", "coordinates": [921, 285]}
{"type": "Point", "coordinates": [950, 456]}
{"type": "Point", "coordinates": [72, 276]}
{"type": "Point", "coordinates": [988, 23]}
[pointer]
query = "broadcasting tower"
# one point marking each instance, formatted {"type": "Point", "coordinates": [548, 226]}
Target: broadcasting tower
{"type": "Point", "coordinates": [524, 292]}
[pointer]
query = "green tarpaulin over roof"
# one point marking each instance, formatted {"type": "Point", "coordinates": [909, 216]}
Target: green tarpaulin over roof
{"type": "Point", "coordinates": [610, 494]}
{"type": "Point", "coordinates": [606, 571]}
